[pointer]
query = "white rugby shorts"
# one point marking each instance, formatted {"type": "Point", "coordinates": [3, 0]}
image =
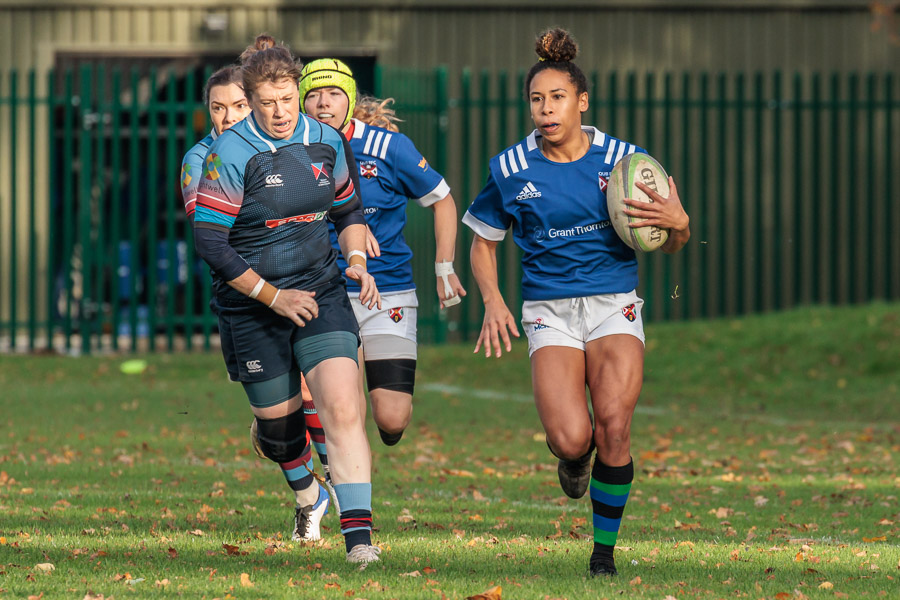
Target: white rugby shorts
{"type": "Point", "coordinates": [380, 329]}
{"type": "Point", "coordinates": [573, 322]}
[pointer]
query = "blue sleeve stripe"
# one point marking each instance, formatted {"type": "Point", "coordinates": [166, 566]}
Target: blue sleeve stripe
{"type": "Point", "coordinates": [207, 215]}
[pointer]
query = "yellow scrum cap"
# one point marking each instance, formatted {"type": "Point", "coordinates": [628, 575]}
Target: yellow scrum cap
{"type": "Point", "coordinates": [328, 72]}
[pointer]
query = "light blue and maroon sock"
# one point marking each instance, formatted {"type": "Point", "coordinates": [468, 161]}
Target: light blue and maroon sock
{"type": "Point", "coordinates": [355, 500]}
{"type": "Point", "coordinates": [298, 472]}
{"type": "Point", "coordinates": [316, 431]}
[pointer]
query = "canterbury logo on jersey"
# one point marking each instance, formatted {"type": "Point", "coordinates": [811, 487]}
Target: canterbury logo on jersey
{"type": "Point", "coordinates": [529, 191]}
{"type": "Point", "coordinates": [274, 181]}
{"type": "Point", "coordinates": [309, 218]}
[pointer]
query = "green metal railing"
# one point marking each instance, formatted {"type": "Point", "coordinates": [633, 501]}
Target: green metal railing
{"type": "Point", "coordinates": [788, 181]}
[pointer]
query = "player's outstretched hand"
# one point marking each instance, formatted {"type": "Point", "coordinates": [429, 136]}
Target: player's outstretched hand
{"type": "Point", "coordinates": [297, 305]}
{"type": "Point", "coordinates": [368, 291]}
{"type": "Point", "coordinates": [372, 247]}
{"type": "Point", "coordinates": [665, 213]}
{"type": "Point", "coordinates": [498, 325]}
{"type": "Point", "coordinates": [457, 290]}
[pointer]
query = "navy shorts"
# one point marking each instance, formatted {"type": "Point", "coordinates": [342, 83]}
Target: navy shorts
{"type": "Point", "coordinates": [259, 345]}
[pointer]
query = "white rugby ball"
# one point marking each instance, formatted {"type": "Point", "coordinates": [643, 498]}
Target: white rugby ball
{"type": "Point", "coordinates": [626, 173]}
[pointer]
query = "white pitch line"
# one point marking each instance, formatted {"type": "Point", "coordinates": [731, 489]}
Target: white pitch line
{"type": "Point", "coordinates": [442, 388]}
{"type": "Point", "coordinates": [482, 394]}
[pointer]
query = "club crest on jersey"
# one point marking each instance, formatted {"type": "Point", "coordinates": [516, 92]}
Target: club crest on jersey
{"type": "Point", "coordinates": [368, 169]}
{"type": "Point", "coordinates": [211, 167]}
{"type": "Point", "coordinates": [603, 178]}
{"type": "Point", "coordinates": [423, 164]}
{"type": "Point", "coordinates": [320, 173]}
{"type": "Point", "coordinates": [396, 314]}
{"type": "Point", "coordinates": [539, 324]}
{"type": "Point", "coordinates": [629, 313]}
{"type": "Point", "coordinates": [185, 175]}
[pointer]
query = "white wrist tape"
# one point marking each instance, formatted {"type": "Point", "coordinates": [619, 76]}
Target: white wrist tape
{"type": "Point", "coordinates": [274, 298]}
{"type": "Point", "coordinates": [443, 270]}
{"type": "Point", "coordinates": [353, 253]}
{"type": "Point", "coordinates": [257, 288]}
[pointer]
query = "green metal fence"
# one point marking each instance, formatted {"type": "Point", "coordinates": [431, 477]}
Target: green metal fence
{"type": "Point", "coordinates": [788, 181]}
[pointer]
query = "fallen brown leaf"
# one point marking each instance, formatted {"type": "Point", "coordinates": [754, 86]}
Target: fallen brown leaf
{"type": "Point", "coordinates": [245, 580]}
{"type": "Point", "coordinates": [491, 594]}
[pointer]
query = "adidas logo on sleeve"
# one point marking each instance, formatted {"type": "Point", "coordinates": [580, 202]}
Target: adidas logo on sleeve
{"type": "Point", "coordinates": [529, 191]}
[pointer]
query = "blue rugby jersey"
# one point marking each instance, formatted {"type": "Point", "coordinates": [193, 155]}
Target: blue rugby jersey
{"type": "Point", "coordinates": [192, 171]}
{"type": "Point", "coordinates": [559, 218]}
{"type": "Point", "coordinates": [391, 172]}
{"type": "Point", "coordinates": [271, 198]}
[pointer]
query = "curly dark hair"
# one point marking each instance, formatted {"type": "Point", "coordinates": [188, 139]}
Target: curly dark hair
{"type": "Point", "coordinates": [556, 49]}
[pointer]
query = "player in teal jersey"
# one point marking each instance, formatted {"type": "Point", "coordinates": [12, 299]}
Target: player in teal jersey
{"type": "Point", "coordinates": [224, 97]}
{"type": "Point", "coordinates": [269, 185]}
{"type": "Point", "coordinates": [392, 172]}
{"type": "Point", "coordinates": [581, 313]}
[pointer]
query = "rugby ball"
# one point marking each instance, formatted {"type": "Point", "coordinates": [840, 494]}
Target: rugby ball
{"type": "Point", "coordinates": [626, 173]}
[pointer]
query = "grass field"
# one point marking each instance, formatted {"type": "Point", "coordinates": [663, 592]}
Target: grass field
{"type": "Point", "coordinates": [766, 456]}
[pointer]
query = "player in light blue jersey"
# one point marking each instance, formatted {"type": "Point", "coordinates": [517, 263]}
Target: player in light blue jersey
{"type": "Point", "coordinates": [581, 313]}
{"type": "Point", "coordinates": [227, 104]}
{"type": "Point", "coordinates": [392, 172]}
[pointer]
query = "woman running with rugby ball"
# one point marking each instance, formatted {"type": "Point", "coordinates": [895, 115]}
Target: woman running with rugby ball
{"type": "Point", "coordinates": [268, 186]}
{"type": "Point", "coordinates": [580, 312]}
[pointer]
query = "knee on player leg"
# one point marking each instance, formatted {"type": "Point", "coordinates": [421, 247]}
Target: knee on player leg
{"type": "Point", "coordinates": [283, 439]}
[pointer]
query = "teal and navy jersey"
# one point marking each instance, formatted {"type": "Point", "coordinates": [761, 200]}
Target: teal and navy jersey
{"type": "Point", "coordinates": [262, 203]}
{"type": "Point", "coordinates": [192, 170]}
{"type": "Point", "coordinates": [559, 219]}
{"type": "Point", "coordinates": [391, 172]}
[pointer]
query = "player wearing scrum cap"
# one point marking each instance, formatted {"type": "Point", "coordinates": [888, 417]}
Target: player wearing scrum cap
{"type": "Point", "coordinates": [581, 313]}
{"type": "Point", "coordinates": [392, 171]}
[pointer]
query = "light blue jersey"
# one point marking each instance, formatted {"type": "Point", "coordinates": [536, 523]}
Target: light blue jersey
{"type": "Point", "coordinates": [391, 172]}
{"type": "Point", "coordinates": [559, 218]}
{"type": "Point", "coordinates": [192, 171]}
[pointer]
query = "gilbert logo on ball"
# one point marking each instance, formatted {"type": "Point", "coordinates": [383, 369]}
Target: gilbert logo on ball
{"type": "Point", "coordinates": [632, 169]}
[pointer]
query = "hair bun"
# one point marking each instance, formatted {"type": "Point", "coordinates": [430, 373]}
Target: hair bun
{"type": "Point", "coordinates": [556, 45]}
{"type": "Point", "coordinates": [263, 41]}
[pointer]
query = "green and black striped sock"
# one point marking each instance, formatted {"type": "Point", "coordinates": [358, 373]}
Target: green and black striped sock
{"type": "Point", "coordinates": [610, 487]}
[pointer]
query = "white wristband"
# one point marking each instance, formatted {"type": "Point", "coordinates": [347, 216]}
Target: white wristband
{"type": "Point", "coordinates": [257, 288]}
{"type": "Point", "coordinates": [443, 270]}
{"type": "Point", "coordinates": [353, 253]}
{"type": "Point", "coordinates": [274, 298]}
